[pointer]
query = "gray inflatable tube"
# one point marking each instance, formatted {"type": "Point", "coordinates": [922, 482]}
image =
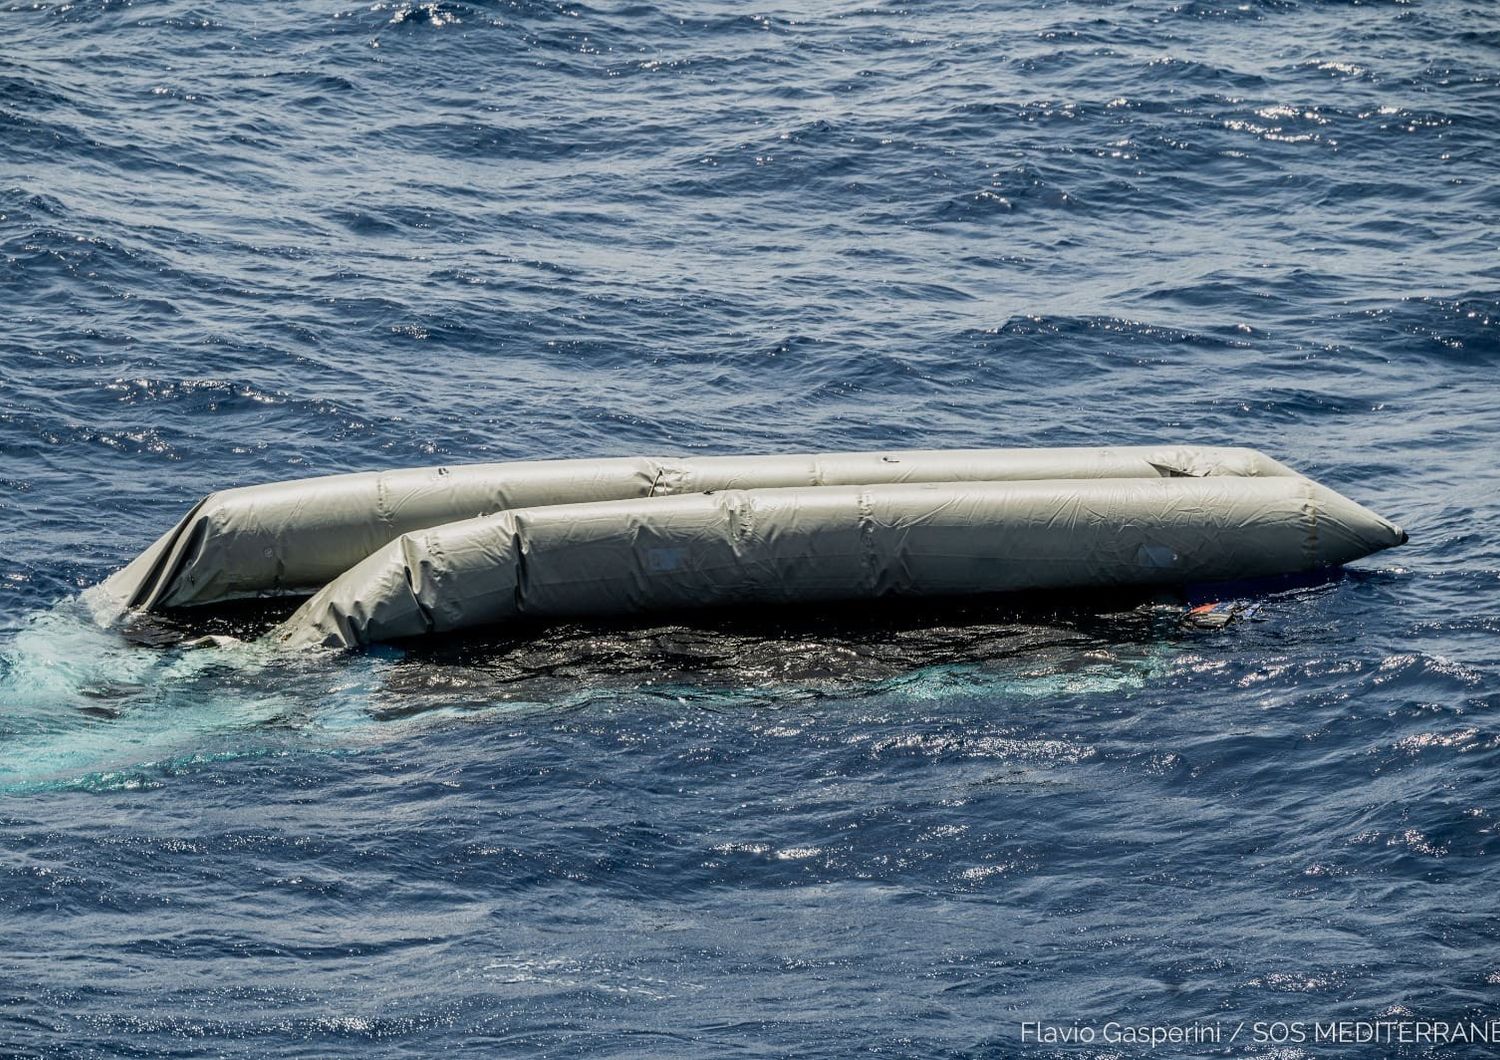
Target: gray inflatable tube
{"type": "Point", "coordinates": [399, 554]}
{"type": "Point", "coordinates": [292, 538]}
{"type": "Point", "coordinates": [834, 543]}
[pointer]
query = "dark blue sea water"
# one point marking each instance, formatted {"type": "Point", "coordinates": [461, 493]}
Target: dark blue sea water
{"type": "Point", "coordinates": [243, 241]}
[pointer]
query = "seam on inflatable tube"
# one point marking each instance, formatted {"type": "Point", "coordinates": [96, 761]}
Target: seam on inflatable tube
{"type": "Point", "coordinates": [743, 513]}
{"type": "Point", "coordinates": [278, 577]}
{"type": "Point", "coordinates": [1311, 510]}
{"type": "Point", "coordinates": [518, 551]}
{"type": "Point", "coordinates": [409, 561]}
{"type": "Point", "coordinates": [869, 555]}
{"type": "Point", "coordinates": [383, 510]}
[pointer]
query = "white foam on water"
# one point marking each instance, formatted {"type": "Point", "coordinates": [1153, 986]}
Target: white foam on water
{"type": "Point", "coordinates": [80, 702]}
{"type": "Point", "coordinates": [81, 706]}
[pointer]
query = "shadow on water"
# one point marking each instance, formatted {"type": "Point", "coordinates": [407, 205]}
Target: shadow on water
{"type": "Point", "coordinates": [99, 708]}
{"type": "Point", "coordinates": [781, 655]}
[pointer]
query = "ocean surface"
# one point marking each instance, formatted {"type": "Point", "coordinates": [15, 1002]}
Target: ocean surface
{"type": "Point", "coordinates": [242, 242]}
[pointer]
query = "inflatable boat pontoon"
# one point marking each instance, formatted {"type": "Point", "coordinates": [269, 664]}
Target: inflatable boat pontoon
{"type": "Point", "coordinates": [400, 554]}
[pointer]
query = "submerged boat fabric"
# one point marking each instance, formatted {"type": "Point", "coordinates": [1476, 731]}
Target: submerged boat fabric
{"type": "Point", "coordinates": [291, 538]}
{"type": "Point", "coordinates": [834, 543]}
{"type": "Point", "coordinates": [404, 553]}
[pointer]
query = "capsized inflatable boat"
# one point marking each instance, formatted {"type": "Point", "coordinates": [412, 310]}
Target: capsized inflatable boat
{"type": "Point", "coordinates": [399, 554]}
